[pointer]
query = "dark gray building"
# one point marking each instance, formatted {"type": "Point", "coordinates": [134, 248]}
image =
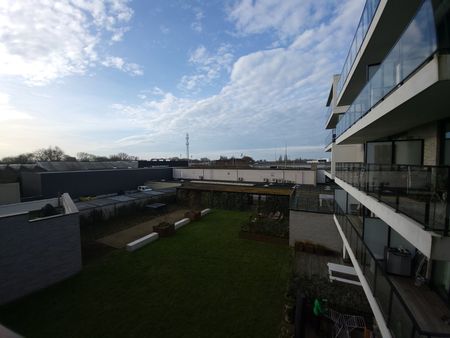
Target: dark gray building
{"type": "Point", "coordinates": [88, 182]}
{"type": "Point", "coordinates": [37, 251]}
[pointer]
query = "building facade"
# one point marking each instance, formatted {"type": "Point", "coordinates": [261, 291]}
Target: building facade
{"type": "Point", "coordinates": [37, 250]}
{"type": "Point", "coordinates": [388, 116]}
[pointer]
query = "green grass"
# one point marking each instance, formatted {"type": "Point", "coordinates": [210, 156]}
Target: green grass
{"type": "Point", "coordinates": [203, 282]}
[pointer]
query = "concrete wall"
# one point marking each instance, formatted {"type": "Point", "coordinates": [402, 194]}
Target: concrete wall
{"type": "Point", "coordinates": [9, 193]}
{"type": "Point", "coordinates": [346, 153]}
{"type": "Point", "coordinates": [314, 227]}
{"type": "Point", "coordinates": [247, 175]}
{"type": "Point", "coordinates": [89, 182]}
{"type": "Point", "coordinates": [38, 253]}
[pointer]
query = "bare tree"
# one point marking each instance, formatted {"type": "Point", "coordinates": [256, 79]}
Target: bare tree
{"type": "Point", "coordinates": [49, 154]}
{"type": "Point", "coordinates": [82, 156]}
{"type": "Point", "coordinates": [123, 157]}
{"type": "Point", "coordinates": [19, 159]}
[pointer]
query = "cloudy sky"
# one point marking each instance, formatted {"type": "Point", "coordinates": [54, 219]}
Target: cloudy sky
{"type": "Point", "coordinates": [108, 76]}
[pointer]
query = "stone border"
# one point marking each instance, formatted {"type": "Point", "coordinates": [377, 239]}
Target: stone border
{"type": "Point", "coordinates": [140, 242]}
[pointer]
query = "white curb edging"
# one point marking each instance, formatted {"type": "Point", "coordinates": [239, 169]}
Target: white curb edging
{"type": "Point", "coordinates": [140, 242]}
{"type": "Point", "coordinates": [181, 223]}
{"type": "Point", "coordinates": [205, 212]}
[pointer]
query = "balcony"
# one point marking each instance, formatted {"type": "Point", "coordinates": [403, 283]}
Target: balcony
{"type": "Point", "coordinates": [409, 310]}
{"type": "Point", "coordinates": [330, 138]}
{"type": "Point", "coordinates": [419, 192]}
{"type": "Point", "coordinates": [416, 46]}
{"type": "Point", "coordinates": [364, 23]}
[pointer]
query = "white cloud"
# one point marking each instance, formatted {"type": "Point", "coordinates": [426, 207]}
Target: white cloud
{"type": "Point", "coordinates": [164, 29]}
{"type": "Point", "coordinates": [208, 67]}
{"type": "Point", "coordinates": [197, 25]}
{"type": "Point", "coordinates": [272, 96]}
{"type": "Point", "coordinates": [41, 41]}
{"type": "Point", "coordinates": [8, 112]}
{"type": "Point", "coordinates": [286, 18]}
{"type": "Point", "coordinates": [119, 63]}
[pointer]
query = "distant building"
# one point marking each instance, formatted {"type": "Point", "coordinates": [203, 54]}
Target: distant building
{"type": "Point", "coordinates": [88, 182]}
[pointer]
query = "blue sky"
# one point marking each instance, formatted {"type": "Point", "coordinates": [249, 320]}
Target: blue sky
{"type": "Point", "coordinates": [109, 76]}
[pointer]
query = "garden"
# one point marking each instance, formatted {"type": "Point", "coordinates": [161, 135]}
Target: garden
{"type": "Point", "coordinates": [205, 281]}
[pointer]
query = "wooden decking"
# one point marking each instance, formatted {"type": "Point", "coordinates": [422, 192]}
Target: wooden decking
{"type": "Point", "coordinates": [426, 306]}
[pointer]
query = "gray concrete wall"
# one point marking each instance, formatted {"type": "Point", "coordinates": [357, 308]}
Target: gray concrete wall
{"type": "Point", "coordinates": [38, 253]}
{"type": "Point", "coordinates": [9, 193]}
{"type": "Point", "coordinates": [89, 182]}
{"type": "Point", "coordinates": [314, 227]}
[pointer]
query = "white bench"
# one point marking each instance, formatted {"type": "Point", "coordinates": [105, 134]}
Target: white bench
{"type": "Point", "coordinates": [140, 242]}
{"type": "Point", "coordinates": [342, 269]}
{"type": "Point", "coordinates": [181, 223]}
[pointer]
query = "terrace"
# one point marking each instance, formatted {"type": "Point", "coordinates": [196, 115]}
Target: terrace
{"type": "Point", "coordinates": [410, 310]}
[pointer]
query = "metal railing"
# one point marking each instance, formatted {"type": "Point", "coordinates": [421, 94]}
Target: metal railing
{"type": "Point", "coordinates": [319, 201]}
{"type": "Point", "coordinates": [420, 192]}
{"type": "Point", "coordinates": [368, 13]}
{"type": "Point", "coordinates": [417, 44]}
{"type": "Point", "coordinates": [399, 319]}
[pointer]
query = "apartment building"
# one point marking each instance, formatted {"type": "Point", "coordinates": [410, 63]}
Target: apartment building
{"type": "Point", "coordinates": [389, 138]}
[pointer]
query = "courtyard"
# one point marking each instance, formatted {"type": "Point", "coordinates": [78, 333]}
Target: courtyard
{"type": "Point", "coordinates": [203, 282]}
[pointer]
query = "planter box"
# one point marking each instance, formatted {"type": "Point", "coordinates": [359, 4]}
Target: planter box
{"type": "Point", "coordinates": [164, 231]}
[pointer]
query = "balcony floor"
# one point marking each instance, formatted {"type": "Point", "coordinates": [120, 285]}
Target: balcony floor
{"type": "Point", "coordinates": [427, 307]}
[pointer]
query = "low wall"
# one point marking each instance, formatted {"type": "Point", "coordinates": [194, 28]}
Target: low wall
{"type": "Point", "coordinates": [37, 253]}
{"type": "Point", "coordinates": [314, 227]}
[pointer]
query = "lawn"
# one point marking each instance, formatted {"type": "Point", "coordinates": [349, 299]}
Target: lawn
{"type": "Point", "coordinates": [203, 282]}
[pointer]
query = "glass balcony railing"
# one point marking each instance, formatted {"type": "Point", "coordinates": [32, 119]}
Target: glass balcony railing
{"type": "Point", "coordinates": [420, 192]}
{"type": "Point", "coordinates": [400, 320]}
{"type": "Point", "coordinates": [416, 45]}
{"type": "Point", "coordinates": [366, 18]}
{"type": "Point", "coordinates": [330, 137]}
{"type": "Point", "coordinates": [328, 112]}
{"type": "Point", "coordinates": [313, 198]}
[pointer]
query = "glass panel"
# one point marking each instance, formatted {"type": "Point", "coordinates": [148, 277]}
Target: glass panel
{"type": "Point", "coordinates": [379, 152]}
{"type": "Point", "coordinates": [408, 152]}
{"type": "Point", "coordinates": [442, 19]}
{"type": "Point", "coordinates": [400, 323]}
{"type": "Point", "coordinates": [414, 47]}
{"type": "Point", "coordinates": [364, 23]}
{"type": "Point", "coordinates": [376, 236]}
{"type": "Point", "coordinates": [421, 192]}
{"type": "Point", "coordinates": [383, 293]}
{"type": "Point", "coordinates": [370, 271]}
{"type": "Point", "coordinates": [441, 278]}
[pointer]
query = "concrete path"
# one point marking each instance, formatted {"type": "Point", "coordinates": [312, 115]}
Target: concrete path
{"type": "Point", "coordinates": [120, 239]}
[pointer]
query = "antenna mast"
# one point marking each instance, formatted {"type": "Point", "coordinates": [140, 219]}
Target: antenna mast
{"type": "Point", "coordinates": [187, 146]}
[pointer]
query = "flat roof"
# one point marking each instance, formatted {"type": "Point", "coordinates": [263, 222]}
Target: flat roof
{"type": "Point", "coordinates": [25, 207]}
{"type": "Point", "coordinates": [256, 189]}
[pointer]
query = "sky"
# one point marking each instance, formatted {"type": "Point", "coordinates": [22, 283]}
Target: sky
{"type": "Point", "coordinates": [106, 76]}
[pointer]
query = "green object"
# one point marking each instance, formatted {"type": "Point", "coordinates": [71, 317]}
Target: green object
{"type": "Point", "coordinates": [317, 309]}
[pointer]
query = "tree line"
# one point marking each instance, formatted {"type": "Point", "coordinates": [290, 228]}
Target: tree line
{"type": "Point", "coordinates": [57, 154]}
